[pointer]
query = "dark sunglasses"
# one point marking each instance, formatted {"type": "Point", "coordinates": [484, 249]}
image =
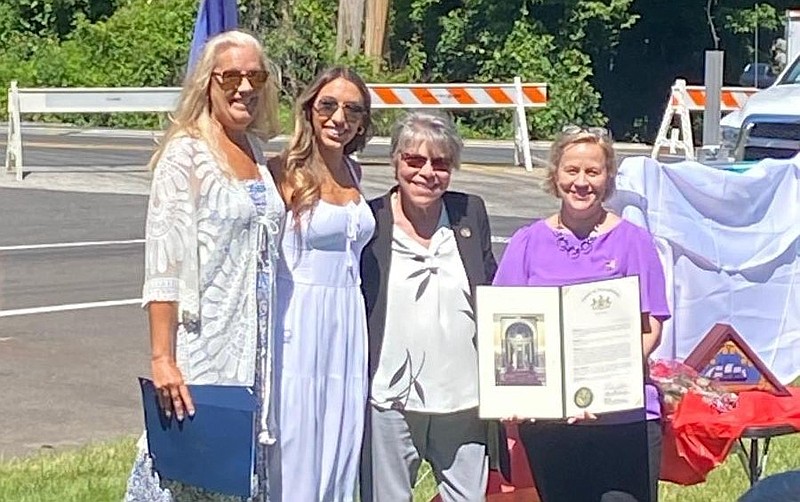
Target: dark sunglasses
{"type": "Point", "coordinates": [353, 112]}
{"type": "Point", "coordinates": [418, 161]}
{"type": "Point", "coordinates": [230, 80]}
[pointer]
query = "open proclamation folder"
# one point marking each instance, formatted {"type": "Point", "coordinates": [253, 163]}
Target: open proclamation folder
{"type": "Point", "coordinates": [215, 449]}
{"type": "Point", "coordinates": [555, 352]}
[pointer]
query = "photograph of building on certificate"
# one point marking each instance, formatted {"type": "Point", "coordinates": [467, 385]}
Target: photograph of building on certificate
{"type": "Point", "coordinates": [519, 349]}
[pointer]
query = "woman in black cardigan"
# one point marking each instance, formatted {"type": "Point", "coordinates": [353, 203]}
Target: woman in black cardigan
{"type": "Point", "coordinates": [431, 248]}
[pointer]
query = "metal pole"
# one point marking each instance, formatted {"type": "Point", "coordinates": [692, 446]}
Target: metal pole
{"type": "Point", "coordinates": [713, 85]}
{"type": "Point", "coordinates": [755, 52]}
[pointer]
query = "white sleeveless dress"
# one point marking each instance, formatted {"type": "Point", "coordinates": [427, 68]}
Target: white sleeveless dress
{"type": "Point", "coordinates": [321, 353]}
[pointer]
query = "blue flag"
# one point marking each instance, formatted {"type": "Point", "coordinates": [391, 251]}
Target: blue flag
{"type": "Point", "coordinates": [213, 16]}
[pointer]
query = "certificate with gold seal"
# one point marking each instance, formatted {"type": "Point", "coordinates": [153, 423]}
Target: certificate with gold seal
{"type": "Point", "coordinates": [555, 352]}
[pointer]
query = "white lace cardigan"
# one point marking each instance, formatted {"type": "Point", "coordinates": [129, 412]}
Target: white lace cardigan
{"type": "Point", "coordinates": [202, 242]}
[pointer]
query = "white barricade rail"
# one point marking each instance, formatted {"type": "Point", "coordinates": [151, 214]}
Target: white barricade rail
{"type": "Point", "coordinates": [517, 96]}
{"type": "Point", "coordinates": [685, 99]}
{"type": "Point", "coordinates": [78, 100]}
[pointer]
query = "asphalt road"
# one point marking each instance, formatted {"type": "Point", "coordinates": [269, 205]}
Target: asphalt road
{"type": "Point", "coordinates": [65, 151]}
{"type": "Point", "coordinates": [72, 337]}
{"type": "Point", "coordinates": [51, 149]}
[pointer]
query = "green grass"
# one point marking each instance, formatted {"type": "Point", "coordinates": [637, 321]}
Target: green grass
{"type": "Point", "coordinates": [95, 473]}
{"type": "Point", "coordinates": [98, 473]}
{"type": "Point", "coordinates": [729, 481]}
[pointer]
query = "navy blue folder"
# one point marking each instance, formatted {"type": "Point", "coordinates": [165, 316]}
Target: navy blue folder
{"type": "Point", "coordinates": [215, 449]}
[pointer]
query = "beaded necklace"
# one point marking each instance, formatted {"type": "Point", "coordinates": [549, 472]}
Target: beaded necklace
{"type": "Point", "coordinates": [573, 251]}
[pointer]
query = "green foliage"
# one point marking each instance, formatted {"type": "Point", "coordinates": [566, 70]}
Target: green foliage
{"type": "Point", "coordinates": [144, 43]}
{"type": "Point", "coordinates": [299, 35]}
{"type": "Point", "coordinates": [488, 41]}
{"type": "Point", "coordinates": [761, 16]}
{"type": "Point", "coordinates": [583, 49]}
{"type": "Point", "coordinates": [54, 17]}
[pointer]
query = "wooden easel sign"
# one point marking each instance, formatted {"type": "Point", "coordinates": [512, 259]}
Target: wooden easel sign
{"type": "Point", "coordinates": [724, 357]}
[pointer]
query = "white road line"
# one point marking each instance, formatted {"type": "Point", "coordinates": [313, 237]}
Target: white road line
{"type": "Point", "coordinates": [57, 245]}
{"type": "Point", "coordinates": [72, 306]}
{"type": "Point", "coordinates": [500, 240]}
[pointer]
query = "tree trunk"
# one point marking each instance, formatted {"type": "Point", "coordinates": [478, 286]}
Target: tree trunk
{"type": "Point", "coordinates": [349, 27]}
{"type": "Point", "coordinates": [375, 31]}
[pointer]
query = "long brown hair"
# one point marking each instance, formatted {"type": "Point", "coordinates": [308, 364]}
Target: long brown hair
{"type": "Point", "coordinates": [193, 116]}
{"type": "Point", "coordinates": [298, 173]}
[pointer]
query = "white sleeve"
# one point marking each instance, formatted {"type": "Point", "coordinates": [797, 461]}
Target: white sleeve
{"type": "Point", "coordinates": [170, 231]}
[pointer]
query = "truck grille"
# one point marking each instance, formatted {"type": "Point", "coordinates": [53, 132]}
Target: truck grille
{"type": "Point", "coordinates": [760, 152]}
{"type": "Point", "coordinates": [776, 130]}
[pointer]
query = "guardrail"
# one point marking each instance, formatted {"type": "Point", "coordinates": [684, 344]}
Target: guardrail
{"type": "Point", "coordinates": [518, 96]}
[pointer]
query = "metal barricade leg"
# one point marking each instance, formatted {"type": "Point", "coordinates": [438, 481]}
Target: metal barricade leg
{"type": "Point", "coordinates": [14, 144]}
{"type": "Point", "coordinates": [754, 458]}
{"type": "Point", "coordinates": [755, 464]}
{"type": "Point", "coordinates": [523, 143]}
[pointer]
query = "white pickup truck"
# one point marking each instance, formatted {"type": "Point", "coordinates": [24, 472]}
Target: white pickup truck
{"type": "Point", "coordinates": [780, 99]}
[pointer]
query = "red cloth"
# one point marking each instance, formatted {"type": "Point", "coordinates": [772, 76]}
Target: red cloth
{"type": "Point", "coordinates": [522, 488]}
{"type": "Point", "coordinates": [697, 437]}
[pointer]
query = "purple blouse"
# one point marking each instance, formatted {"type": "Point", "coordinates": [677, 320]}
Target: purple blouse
{"type": "Point", "coordinates": [533, 258]}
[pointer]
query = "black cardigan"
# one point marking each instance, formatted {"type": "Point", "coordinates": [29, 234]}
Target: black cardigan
{"type": "Point", "coordinates": [470, 224]}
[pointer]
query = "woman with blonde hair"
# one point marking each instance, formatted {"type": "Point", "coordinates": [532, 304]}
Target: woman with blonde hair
{"type": "Point", "coordinates": [321, 341]}
{"type": "Point", "coordinates": [212, 229]}
{"type": "Point", "coordinates": [614, 457]}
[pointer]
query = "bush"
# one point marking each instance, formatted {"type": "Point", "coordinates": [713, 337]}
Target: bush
{"type": "Point", "coordinates": [144, 43]}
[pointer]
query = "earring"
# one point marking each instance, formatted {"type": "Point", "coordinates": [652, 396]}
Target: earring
{"type": "Point", "coordinates": [360, 131]}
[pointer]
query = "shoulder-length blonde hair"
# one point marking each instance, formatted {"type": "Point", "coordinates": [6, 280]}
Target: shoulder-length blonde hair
{"type": "Point", "coordinates": [193, 115]}
{"type": "Point", "coordinates": [298, 174]}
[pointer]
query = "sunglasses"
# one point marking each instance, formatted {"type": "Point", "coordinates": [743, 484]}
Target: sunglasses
{"type": "Point", "coordinates": [418, 161]}
{"type": "Point", "coordinates": [353, 112]}
{"type": "Point", "coordinates": [598, 132]}
{"type": "Point", "coordinates": [230, 80]}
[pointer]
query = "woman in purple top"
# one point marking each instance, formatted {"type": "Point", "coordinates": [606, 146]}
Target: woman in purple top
{"type": "Point", "coordinates": [616, 456]}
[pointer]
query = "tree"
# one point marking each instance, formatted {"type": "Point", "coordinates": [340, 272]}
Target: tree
{"type": "Point", "coordinates": [349, 27]}
{"type": "Point", "coordinates": [375, 30]}
{"type": "Point", "coordinates": [748, 22]}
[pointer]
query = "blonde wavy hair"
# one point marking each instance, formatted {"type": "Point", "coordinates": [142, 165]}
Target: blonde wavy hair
{"type": "Point", "coordinates": [302, 177]}
{"type": "Point", "coordinates": [573, 135]}
{"type": "Point", "coordinates": [193, 115]}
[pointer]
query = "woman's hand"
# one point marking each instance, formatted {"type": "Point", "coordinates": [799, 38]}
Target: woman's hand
{"type": "Point", "coordinates": [582, 418]}
{"type": "Point", "coordinates": [516, 420]}
{"type": "Point", "coordinates": [173, 395]}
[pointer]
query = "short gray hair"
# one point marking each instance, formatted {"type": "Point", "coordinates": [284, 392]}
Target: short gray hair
{"type": "Point", "coordinates": [435, 128]}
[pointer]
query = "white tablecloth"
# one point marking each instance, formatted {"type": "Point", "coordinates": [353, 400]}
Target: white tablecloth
{"type": "Point", "coordinates": [730, 245]}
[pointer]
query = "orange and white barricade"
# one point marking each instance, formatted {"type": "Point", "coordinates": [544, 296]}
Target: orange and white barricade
{"type": "Point", "coordinates": [517, 95]}
{"type": "Point", "coordinates": [685, 99]}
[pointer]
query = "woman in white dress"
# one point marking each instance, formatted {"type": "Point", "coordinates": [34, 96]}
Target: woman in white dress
{"type": "Point", "coordinates": [213, 222]}
{"type": "Point", "coordinates": [320, 339]}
